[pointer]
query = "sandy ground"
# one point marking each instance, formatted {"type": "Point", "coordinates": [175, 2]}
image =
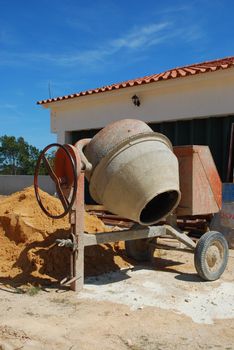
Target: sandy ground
{"type": "Point", "coordinates": [164, 306]}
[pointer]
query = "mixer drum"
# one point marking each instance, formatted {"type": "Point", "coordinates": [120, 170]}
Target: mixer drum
{"type": "Point", "coordinates": [135, 172]}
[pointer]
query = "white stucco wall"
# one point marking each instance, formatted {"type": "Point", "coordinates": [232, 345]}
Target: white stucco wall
{"type": "Point", "coordinates": [209, 94]}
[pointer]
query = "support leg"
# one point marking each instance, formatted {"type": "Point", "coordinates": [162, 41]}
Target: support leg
{"type": "Point", "coordinates": [77, 223]}
{"type": "Point", "coordinates": [182, 237]}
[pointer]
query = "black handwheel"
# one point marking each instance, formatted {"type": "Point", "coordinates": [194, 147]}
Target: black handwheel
{"type": "Point", "coordinates": [138, 249]}
{"type": "Point", "coordinates": [67, 203]}
{"type": "Point", "coordinates": [211, 256]}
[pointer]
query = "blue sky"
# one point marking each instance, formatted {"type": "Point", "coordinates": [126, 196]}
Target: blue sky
{"type": "Point", "coordinates": [75, 45]}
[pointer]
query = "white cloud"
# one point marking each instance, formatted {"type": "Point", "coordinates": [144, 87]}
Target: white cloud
{"type": "Point", "coordinates": [145, 35]}
{"type": "Point", "coordinates": [176, 9]}
{"type": "Point", "coordinates": [137, 39]}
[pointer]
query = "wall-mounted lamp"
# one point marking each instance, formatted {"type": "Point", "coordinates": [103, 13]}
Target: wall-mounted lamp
{"type": "Point", "coordinates": [136, 101]}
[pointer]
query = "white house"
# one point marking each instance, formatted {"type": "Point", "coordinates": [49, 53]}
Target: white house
{"type": "Point", "coordinates": [191, 105]}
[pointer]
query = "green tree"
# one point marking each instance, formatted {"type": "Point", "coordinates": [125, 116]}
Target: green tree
{"type": "Point", "coordinates": [17, 156]}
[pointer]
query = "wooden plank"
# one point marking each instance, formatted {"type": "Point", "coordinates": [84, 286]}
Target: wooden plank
{"type": "Point", "coordinates": [124, 224]}
{"type": "Point", "coordinates": [77, 280]}
{"type": "Point", "coordinates": [126, 235]}
{"type": "Point", "coordinates": [111, 217]}
{"type": "Point", "coordinates": [93, 207]}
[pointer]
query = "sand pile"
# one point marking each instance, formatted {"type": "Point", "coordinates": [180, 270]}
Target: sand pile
{"type": "Point", "coordinates": [27, 241]}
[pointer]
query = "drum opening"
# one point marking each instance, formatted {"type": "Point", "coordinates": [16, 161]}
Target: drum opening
{"type": "Point", "coordinates": [159, 207]}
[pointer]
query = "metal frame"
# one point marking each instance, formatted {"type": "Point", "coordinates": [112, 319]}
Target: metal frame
{"type": "Point", "coordinates": [79, 240]}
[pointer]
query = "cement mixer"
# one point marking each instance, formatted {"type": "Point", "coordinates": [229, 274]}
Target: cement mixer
{"type": "Point", "coordinates": [133, 172]}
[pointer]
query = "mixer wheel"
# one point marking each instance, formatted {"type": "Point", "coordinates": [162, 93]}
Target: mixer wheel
{"type": "Point", "coordinates": [138, 249]}
{"type": "Point", "coordinates": [211, 256]}
{"type": "Point", "coordinates": [64, 178]}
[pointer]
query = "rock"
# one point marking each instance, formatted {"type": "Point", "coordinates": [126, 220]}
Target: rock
{"type": "Point", "coordinates": [129, 342]}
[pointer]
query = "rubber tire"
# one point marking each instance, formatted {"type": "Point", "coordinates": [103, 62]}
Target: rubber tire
{"type": "Point", "coordinates": [205, 242]}
{"type": "Point", "coordinates": [137, 249]}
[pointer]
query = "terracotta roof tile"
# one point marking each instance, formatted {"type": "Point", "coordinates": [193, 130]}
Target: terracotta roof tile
{"type": "Point", "coordinates": [182, 72]}
{"type": "Point", "coordinates": [179, 72]}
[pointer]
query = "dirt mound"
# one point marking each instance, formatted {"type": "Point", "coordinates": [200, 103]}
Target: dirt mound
{"type": "Point", "coordinates": [28, 252]}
